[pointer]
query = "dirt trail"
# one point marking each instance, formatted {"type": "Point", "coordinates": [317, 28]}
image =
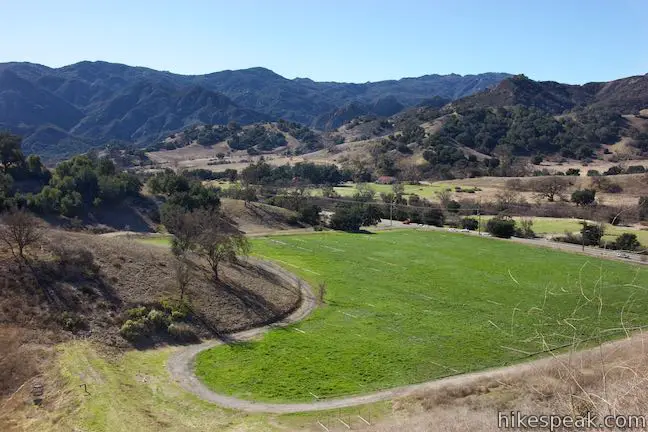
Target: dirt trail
{"type": "Point", "coordinates": [181, 364]}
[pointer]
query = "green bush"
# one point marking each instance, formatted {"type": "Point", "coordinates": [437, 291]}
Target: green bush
{"type": "Point", "coordinates": [134, 329]}
{"type": "Point", "coordinates": [434, 217]}
{"type": "Point", "coordinates": [469, 224]}
{"type": "Point", "coordinates": [177, 315]}
{"type": "Point", "coordinates": [626, 241]}
{"type": "Point", "coordinates": [501, 227]}
{"type": "Point", "coordinates": [584, 197]}
{"type": "Point", "coordinates": [453, 206]}
{"type": "Point", "coordinates": [525, 230]}
{"type": "Point", "coordinates": [158, 318]}
{"type": "Point", "coordinates": [591, 235]}
{"type": "Point", "coordinates": [137, 313]}
{"type": "Point", "coordinates": [310, 214]}
{"type": "Point", "coordinates": [347, 218]}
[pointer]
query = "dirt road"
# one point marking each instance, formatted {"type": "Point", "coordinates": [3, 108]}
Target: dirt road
{"type": "Point", "coordinates": [181, 365]}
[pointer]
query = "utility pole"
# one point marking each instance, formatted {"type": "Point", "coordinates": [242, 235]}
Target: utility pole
{"type": "Point", "coordinates": [479, 217]}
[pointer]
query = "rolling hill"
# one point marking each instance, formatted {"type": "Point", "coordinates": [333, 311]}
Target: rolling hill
{"type": "Point", "coordinates": [625, 95]}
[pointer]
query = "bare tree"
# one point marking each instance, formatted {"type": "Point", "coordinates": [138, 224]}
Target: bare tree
{"type": "Point", "coordinates": [551, 187]}
{"type": "Point", "coordinates": [445, 196]}
{"type": "Point", "coordinates": [182, 269]}
{"type": "Point", "coordinates": [208, 234]}
{"type": "Point", "coordinates": [507, 199]}
{"type": "Point", "coordinates": [219, 240]}
{"type": "Point", "coordinates": [20, 230]}
{"type": "Point", "coordinates": [186, 230]}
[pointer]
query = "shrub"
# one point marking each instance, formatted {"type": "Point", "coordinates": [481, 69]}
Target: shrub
{"type": "Point", "coordinates": [79, 259]}
{"type": "Point", "coordinates": [134, 329]}
{"type": "Point", "coordinates": [171, 306]}
{"type": "Point", "coordinates": [591, 234]}
{"type": "Point", "coordinates": [347, 219]}
{"type": "Point", "coordinates": [71, 321]}
{"type": "Point", "coordinates": [157, 318]}
{"type": "Point", "coordinates": [469, 224]}
{"type": "Point", "coordinates": [416, 217]}
{"type": "Point", "coordinates": [501, 227]}
{"type": "Point", "coordinates": [177, 315]}
{"type": "Point", "coordinates": [525, 230]}
{"type": "Point", "coordinates": [137, 313]}
{"type": "Point", "coordinates": [584, 197]}
{"type": "Point", "coordinates": [626, 241]}
{"type": "Point", "coordinates": [614, 170]}
{"type": "Point", "coordinates": [310, 214]}
{"type": "Point", "coordinates": [453, 206]}
{"type": "Point", "coordinates": [570, 238]}
{"type": "Point", "coordinates": [433, 217]}
{"type": "Point", "coordinates": [613, 188]}
{"type": "Point", "coordinates": [635, 169]}
{"type": "Point", "coordinates": [182, 332]}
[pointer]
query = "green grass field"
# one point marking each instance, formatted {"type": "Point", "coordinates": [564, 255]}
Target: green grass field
{"type": "Point", "coordinates": [409, 306]}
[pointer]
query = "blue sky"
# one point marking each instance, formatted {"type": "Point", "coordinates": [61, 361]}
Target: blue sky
{"type": "Point", "coordinates": [572, 41]}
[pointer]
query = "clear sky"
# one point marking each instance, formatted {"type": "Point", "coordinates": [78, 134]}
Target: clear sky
{"type": "Point", "coordinates": [572, 41]}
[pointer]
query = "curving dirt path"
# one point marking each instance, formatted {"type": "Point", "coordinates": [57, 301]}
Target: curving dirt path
{"type": "Point", "coordinates": [181, 363]}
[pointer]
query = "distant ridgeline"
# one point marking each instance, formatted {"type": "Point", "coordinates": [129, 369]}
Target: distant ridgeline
{"type": "Point", "coordinates": [84, 105]}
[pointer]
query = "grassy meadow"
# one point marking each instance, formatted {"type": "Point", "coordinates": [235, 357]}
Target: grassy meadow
{"type": "Point", "coordinates": [408, 306]}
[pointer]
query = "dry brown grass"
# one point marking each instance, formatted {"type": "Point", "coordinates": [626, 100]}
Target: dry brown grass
{"type": "Point", "coordinates": [143, 274]}
{"type": "Point", "coordinates": [634, 186]}
{"type": "Point", "coordinates": [119, 273]}
{"type": "Point", "coordinates": [605, 381]}
{"type": "Point", "coordinates": [257, 217]}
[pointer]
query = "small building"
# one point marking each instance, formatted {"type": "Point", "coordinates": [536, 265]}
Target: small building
{"type": "Point", "coordinates": [387, 180]}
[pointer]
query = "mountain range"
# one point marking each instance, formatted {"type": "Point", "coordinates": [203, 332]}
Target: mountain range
{"type": "Point", "coordinates": [61, 111]}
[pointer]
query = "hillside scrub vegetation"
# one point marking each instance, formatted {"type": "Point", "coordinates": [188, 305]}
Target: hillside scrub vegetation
{"type": "Point", "coordinates": [73, 188]}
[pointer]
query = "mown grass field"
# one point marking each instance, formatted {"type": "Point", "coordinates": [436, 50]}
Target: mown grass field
{"type": "Point", "coordinates": [409, 306]}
